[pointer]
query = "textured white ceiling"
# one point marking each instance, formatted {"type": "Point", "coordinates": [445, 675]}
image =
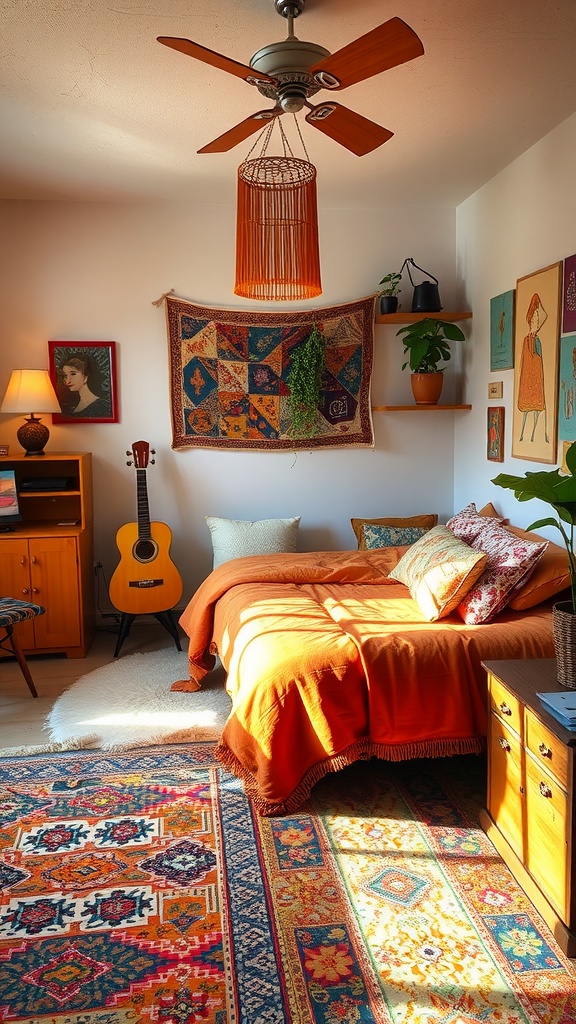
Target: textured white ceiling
{"type": "Point", "coordinates": [92, 107]}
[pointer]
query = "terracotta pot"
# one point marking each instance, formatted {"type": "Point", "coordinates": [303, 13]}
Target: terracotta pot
{"type": "Point", "coordinates": [427, 387]}
{"type": "Point", "coordinates": [564, 626]}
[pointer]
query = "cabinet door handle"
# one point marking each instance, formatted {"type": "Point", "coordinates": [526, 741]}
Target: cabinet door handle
{"type": "Point", "coordinates": [33, 559]}
{"type": "Point", "coordinates": [25, 590]}
{"type": "Point", "coordinates": [505, 709]}
{"type": "Point", "coordinates": [504, 743]}
{"type": "Point", "coordinates": [23, 560]}
{"type": "Point", "coordinates": [545, 790]}
{"type": "Point", "coordinates": [35, 590]}
{"type": "Point", "coordinates": [544, 750]}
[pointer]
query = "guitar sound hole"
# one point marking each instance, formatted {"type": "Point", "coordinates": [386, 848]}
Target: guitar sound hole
{"type": "Point", "coordinates": [145, 550]}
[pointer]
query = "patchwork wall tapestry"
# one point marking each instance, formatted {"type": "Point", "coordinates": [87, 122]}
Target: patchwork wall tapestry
{"type": "Point", "coordinates": [229, 376]}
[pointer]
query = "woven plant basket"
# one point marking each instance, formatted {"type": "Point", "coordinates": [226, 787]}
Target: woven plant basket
{"type": "Point", "coordinates": [564, 626]}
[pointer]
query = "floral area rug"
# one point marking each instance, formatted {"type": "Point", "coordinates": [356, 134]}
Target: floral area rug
{"type": "Point", "coordinates": [140, 886]}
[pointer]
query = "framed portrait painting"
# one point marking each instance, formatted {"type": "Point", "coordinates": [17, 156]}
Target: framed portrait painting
{"type": "Point", "coordinates": [84, 377]}
{"type": "Point", "coordinates": [502, 331]}
{"type": "Point", "coordinates": [536, 356]}
{"type": "Point", "coordinates": [495, 430]}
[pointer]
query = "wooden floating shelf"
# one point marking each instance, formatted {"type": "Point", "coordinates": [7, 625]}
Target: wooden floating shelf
{"type": "Point", "coordinates": [417, 408]}
{"type": "Point", "coordinates": [412, 318]}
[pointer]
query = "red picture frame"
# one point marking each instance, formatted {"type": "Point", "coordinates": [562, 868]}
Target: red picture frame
{"type": "Point", "coordinates": [83, 374]}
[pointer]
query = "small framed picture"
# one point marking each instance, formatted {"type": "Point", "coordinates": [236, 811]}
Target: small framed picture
{"type": "Point", "coordinates": [502, 308]}
{"type": "Point", "coordinates": [495, 448]}
{"type": "Point", "coordinates": [496, 389]}
{"type": "Point", "coordinates": [84, 377]}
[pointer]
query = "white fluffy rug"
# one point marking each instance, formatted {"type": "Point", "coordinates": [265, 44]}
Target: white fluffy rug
{"type": "Point", "coordinates": [129, 703]}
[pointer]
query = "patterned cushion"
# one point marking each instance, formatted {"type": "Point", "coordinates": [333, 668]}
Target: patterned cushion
{"type": "Point", "coordinates": [426, 522]}
{"type": "Point", "coordinates": [467, 524]}
{"type": "Point", "coordinates": [550, 577]}
{"type": "Point", "coordinates": [12, 611]}
{"type": "Point", "coordinates": [438, 570]}
{"type": "Point", "coordinates": [234, 538]}
{"type": "Point", "coordinates": [510, 561]}
{"type": "Point", "coordinates": [390, 536]}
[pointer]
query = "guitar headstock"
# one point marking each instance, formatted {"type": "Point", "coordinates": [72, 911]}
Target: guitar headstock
{"type": "Point", "coordinates": [140, 452]}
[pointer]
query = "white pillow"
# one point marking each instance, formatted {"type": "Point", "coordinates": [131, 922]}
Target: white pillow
{"type": "Point", "coordinates": [234, 538]}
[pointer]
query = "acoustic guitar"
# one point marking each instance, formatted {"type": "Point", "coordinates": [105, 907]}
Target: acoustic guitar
{"type": "Point", "coordinates": [145, 581]}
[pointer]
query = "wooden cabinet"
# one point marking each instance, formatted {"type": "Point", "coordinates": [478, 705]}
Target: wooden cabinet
{"type": "Point", "coordinates": [530, 814]}
{"type": "Point", "coordinates": [48, 557]}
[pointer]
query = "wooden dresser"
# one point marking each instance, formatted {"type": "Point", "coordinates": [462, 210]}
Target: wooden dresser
{"type": "Point", "coordinates": [48, 558]}
{"type": "Point", "coordinates": [530, 799]}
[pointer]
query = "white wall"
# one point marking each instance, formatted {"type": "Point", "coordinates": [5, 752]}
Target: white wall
{"type": "Point", "coordinates": [81, 272]}
{"type": "Point", "coordinates": [521, 221]}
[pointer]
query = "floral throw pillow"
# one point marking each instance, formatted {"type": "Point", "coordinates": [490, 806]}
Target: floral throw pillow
{"type": "Point", "coordinates": [390, 536]}
{"type": "Point", "coordinates": [438, 570]}
{"type": "Point", "coordinates": [510, 561]}
{"type": "Point", "coordinates": [467, 524]}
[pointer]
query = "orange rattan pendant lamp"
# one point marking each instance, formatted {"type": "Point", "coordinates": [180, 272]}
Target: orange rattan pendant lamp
{"type": "Point", "coordinates": [277, 252]}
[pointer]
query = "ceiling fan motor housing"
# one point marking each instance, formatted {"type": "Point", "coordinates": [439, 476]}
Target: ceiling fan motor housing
{"type": "Point", "coordinates": [289, 62]}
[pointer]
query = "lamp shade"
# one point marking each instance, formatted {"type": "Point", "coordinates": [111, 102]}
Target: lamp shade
{"type": "Point", "coordinates": [31, 391]}
{"type": "Point", "coordinates": [277, 253]}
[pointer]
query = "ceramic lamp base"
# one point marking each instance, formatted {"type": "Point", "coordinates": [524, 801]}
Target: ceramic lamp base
{"type": "Point", "coordinates": [33, 436]}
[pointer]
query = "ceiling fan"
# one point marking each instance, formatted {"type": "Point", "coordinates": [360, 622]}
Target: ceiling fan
{"type": "Point", "coordinates": [290, 71]}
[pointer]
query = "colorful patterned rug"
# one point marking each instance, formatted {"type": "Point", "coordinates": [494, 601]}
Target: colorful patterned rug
{"type": "Point", "coordinates": [229, 368]}
{"type": "Point", "coordinates": [141, 887]}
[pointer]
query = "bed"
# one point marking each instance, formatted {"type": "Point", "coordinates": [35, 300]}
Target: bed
{"type": "Point", "coordinates": [329, 660]}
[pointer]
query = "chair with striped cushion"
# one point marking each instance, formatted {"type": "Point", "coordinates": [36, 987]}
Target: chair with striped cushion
{"type": "Point", "coordinates": [12, 612]}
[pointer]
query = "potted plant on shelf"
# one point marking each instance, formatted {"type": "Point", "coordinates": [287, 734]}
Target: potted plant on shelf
{"type": "Point", "coordinates": [559, 492]}
{"type": "Point", "coordinates": [426, 344]}
{"type": "Point", "coordinates": [389, 293]}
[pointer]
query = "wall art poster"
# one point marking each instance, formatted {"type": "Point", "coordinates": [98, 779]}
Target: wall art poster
{"type": "Point", "coordinates": [569, 296]}
{"type": "Point", "coordinates": [567, 389]}
{"type": "Point", "coordinates": [495, 449]}
{"type": "Point", "coordinates": [84, 377]}
{"type": "Point", "coordinates": [536, 356]}
{"type": "Point", "coordinates": [502, 331]}
{"type": "Point", "coordinates": [229, 368]}
{"type": "Point", "coordinates": [496, 389]}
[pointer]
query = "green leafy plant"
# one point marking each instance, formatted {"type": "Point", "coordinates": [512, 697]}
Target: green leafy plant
{"type": "Point", "coordinates": [304, 379]}
{"type": "Point", "coordinates": [390, 282]}
{"type": "Point", "coordinates": [426, 343]}
{"type": "Point", "coordinates": [558, 491]}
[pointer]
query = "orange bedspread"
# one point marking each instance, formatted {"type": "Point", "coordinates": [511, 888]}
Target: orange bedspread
{"type": "Point", "coordinates": [329, 661]}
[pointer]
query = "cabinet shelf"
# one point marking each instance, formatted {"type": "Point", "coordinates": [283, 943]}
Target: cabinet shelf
{"type": "Point", "coordinates": [412, 318]}
{"type": "Point", "coordinates": [418, 408]}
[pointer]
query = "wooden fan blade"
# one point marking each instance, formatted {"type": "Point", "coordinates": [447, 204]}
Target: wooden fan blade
{"type": "Point", "coordinates": [350, 129]}
{"type": "Point", "coordinates": [217, 60]}
{"type": "Point", "coordinates": [241, 131]}
{"type": "Point", "coordinates": [384, 47]}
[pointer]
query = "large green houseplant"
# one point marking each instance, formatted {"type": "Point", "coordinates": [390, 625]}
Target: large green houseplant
{"type": "Point", "coordinates": [559, 492]}
{"type": "Point", "coordinates": [426, 343]}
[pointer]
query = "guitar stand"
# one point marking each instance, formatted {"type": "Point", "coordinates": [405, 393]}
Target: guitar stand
{"type": "Point", "coordinates": [164, 618]}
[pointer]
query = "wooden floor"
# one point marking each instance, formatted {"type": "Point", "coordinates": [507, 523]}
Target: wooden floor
{"type": "Point", "coordinates": [22, 716]}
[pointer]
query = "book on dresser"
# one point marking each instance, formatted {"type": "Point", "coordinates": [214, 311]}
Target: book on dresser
{"type": "Point", "coordinates": [562, 706]}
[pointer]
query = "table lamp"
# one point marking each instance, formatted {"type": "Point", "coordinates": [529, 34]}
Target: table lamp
{"type": "Point", "coordinates": [27, 390]}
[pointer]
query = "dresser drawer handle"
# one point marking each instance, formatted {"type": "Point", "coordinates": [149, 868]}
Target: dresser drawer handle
{"type": "Point", "coordinates": [504, 743]}
{"type": "Point", "coordinates": [505, 709]}
{"type": "Point", "coordinates": [544, 750]}
{"type": "Point", "coordinates": [545, 790]}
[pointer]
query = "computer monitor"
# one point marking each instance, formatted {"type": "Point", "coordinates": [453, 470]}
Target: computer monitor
{"type": "Point", "coordinates": [9, 510]}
